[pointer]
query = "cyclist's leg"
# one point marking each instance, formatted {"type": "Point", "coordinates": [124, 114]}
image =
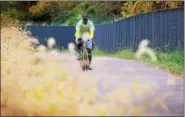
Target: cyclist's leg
{"type": "Point", "coordinates": [89, 55]}
{"type": "Point", "coordinates": [79, 45]}
{"type": "Point", "coordinates": [89, 49]}
{"type": "Point", "coordinates": [93, 44]}
{"type": "Point", "coordinates": [78, 55]}
{"type": "Point", "coordinates": [78, 49]}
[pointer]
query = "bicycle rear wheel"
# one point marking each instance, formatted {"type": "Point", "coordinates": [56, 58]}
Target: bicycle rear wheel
{"type": "Point", "coordinates": [84, 60]}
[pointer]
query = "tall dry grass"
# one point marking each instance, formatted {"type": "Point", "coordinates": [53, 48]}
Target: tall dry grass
{"type": "Point", "coordinates": [34, 84]}
{"type": "Point", "coordinates": [144, 49]}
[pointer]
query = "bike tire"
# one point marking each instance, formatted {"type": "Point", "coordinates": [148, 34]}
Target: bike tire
{"type": "Point", "coordinates": [84, 61]}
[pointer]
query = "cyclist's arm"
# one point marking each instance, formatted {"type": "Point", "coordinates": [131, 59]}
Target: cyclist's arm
{"type": "Point", "coordinates": [77, 33]}
{"type": "Point", "coordinates": [92, 30]}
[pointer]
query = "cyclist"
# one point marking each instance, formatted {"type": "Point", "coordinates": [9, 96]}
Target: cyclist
{"type": "Point", "coordinates": [85, 26]}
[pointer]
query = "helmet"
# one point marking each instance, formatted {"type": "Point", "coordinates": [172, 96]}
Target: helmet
{"type": "Point", "coordinates": [85, 16]}
{"type": "Point", "coordinates": [85, 19]}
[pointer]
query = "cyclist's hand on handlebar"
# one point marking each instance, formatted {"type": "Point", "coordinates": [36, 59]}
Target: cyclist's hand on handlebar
{"type": "Point", "coordinates": [78, 40]}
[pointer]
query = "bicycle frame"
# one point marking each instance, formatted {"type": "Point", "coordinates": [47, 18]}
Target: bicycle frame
{"type": "Point", "coordinates": [84, 56]}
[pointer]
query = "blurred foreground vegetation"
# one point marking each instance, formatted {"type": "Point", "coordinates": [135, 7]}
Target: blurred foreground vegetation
{"type": "Point", "coordinates": [43, 86]}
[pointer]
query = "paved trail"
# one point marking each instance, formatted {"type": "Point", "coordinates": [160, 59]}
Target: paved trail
{"type": "Point", "coordinates": [116, 73]}
{"type": "Point", "coordinates": [122, 72]}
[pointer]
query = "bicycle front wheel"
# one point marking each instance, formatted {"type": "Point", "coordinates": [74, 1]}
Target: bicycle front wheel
{"type": "Point", "coordinates": [84, 61]}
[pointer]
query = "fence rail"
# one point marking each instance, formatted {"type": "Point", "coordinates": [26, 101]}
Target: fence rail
{"type": "Point", "coordinates": [164, 29]}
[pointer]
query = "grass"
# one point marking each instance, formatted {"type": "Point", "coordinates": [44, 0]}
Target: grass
{"type": "Point", "coordinates": [172, 62]}
{"type": "Point", "coordinates": [127, 54]}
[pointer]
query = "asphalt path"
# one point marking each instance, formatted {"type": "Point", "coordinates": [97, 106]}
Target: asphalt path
{"type": "Point", "coordinates": [161, 91]}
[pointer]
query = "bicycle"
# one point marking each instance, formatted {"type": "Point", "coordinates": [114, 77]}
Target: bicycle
{"type": "Point", "coordinates": [84, 55]}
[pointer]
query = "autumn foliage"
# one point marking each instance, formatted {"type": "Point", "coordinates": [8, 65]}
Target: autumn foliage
{"type": "Point", "coordinates": [69, 12]}
{"type": "Point", "coordinates": [136, 7]}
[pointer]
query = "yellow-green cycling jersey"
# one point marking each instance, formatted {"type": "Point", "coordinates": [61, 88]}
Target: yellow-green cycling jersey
{"type": "Point", "coordinates": [84, 28]}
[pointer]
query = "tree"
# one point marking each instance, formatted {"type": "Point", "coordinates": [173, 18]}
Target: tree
{"type": "Point", "coordinates": [131, 8]}
{"type": "Point", "coordinates": [69, 12]}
